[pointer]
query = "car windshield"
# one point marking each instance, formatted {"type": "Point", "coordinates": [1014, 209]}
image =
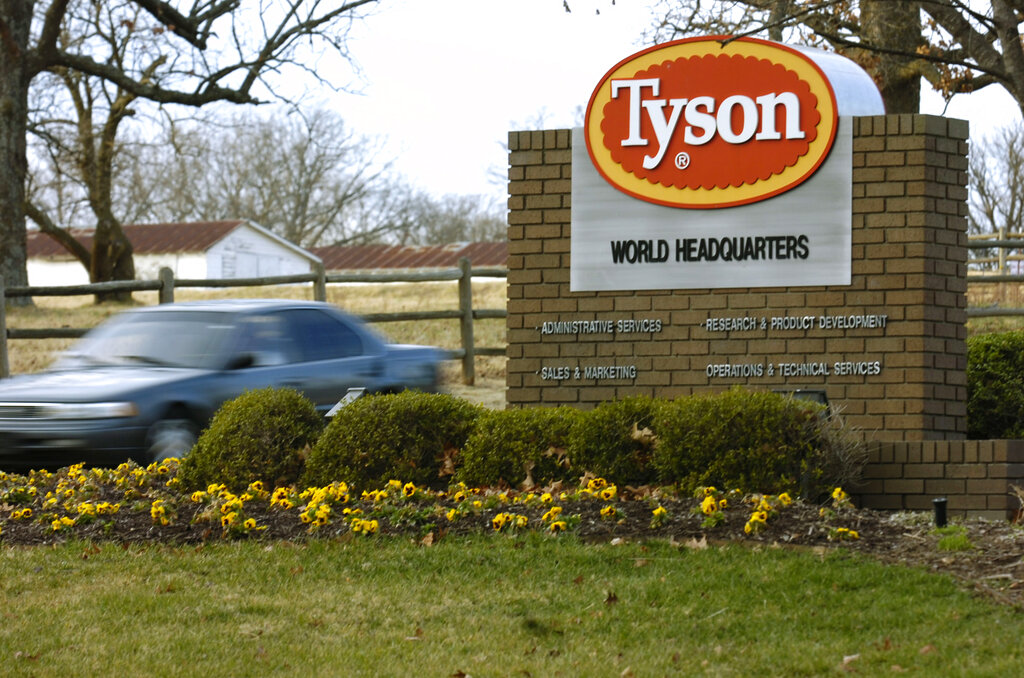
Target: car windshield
{"type": "Point", "coordinates": [170, 338]}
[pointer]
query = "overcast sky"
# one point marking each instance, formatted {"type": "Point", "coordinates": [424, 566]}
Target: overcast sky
{"type": "Point", "coordinates": [444, 80]}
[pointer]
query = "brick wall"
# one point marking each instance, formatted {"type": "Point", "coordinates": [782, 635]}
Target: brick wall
{"type": "Point", "coordinates": [909, 263]}
{"type": "Point", "coordinates": [975, 476]}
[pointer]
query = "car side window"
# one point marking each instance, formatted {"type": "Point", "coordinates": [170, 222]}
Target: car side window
{"type": "Point", "coordinates": [266, 338]}
{"type": "Point", "coordinates": [320, 336]}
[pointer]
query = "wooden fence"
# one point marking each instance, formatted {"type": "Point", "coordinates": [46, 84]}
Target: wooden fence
{"type": "Point", "coordinates": [1002, 242]}
{"type": "Point", "coordinates": [166, 284]}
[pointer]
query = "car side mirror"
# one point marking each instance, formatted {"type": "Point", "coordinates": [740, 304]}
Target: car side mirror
{"type": "Point", "coordinates": [241, 361]}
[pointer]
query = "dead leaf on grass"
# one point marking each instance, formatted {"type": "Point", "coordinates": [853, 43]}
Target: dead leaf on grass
{"type": "Point", "coordinates": [428, 539]}
{"type": "Point", "coordinates": [927, 649]}
{"type": "Point", "coordinates": [697, 545]}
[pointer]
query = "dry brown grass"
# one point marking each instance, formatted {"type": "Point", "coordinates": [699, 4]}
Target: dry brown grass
{"type": "Point", "coordinates": [29, 355]}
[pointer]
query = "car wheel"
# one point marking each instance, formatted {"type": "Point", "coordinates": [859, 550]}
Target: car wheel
{"type": "Point", "coordinates": [171, 438]}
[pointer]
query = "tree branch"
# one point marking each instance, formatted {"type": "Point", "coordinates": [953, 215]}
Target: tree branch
{"type": "Point", "coordinates": [63, 238]}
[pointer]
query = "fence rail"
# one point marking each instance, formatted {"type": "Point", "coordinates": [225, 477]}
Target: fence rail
{"type": "Point", "coordinates": [166, 284]}
{"type": "Point", "coordinates": [1004, 242]}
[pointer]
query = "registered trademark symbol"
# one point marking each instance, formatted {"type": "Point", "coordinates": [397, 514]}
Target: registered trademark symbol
{"type": "Point", "coordinates": [682, 161]}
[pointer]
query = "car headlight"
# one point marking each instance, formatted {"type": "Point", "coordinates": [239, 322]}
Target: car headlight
{"type": "Point", "coordinates": [115, 410]}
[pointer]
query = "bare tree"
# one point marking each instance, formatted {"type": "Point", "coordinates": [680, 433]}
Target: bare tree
{"type": "Point", "coordinates": [297, 174]}
{"type": "Point", "coordinates": [997, 186]}
{"type": "Point", "coordinates": [957, 46]}
{"type": "Point", "coordinates": [190, 53]}
{"type": "Point", "coordinates": [454, 218]}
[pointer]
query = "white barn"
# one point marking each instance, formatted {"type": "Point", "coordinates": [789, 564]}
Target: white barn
{"type": "Point", "coordinates": [195, 250]}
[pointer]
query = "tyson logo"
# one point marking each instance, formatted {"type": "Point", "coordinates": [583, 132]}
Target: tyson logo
{"type": "Point", "coordinates": [696, 124]}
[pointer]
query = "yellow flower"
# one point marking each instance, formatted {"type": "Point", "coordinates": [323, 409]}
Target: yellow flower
{"type": "Point", "coordinates": [609, 512]}
{"type": "Point", "coordinates": [723, 503]}
{"type": "Point", "coordinates": [844, 534]}
{"type": "Point", "coordinates": [709, 505]}
{"type": "Point", "coordinates": [228, 519]}
{"type": "Point", "coordinates": [459, 496]}
{"type": "Point", "coordinates": [709, 490]}
{"type": "Point", "coordinates": [785, 499]}
{"type": "Point", "coordinates": [659, 512]}
{"type": "Point", "coordinates": [608, 493]}
{"type": "Point", "coordinates": [452, 515]}
{"type": "Point", "coordinates": [408, 489]}
{"type": "Point", "coordinates": [61, 523]}
{"type": "Point", "coordinates": [249, 524]}
{"type": "Point", "coordinates": [552, 514]}
{"type": "Point", "coordinates": [557, 526]}
{"type": "Point", "coordinates": [198, 496]}
{"type": "Point", "coordinates": [500, 521]}
{"type": "Point", "coordinates": [546, 498]}
{"type": "Point", "coordinates": [596, 484]}
{"type": "Point", "coordinates": [521, 521]}
{"type": "Point", "coordinates": [839, 495]}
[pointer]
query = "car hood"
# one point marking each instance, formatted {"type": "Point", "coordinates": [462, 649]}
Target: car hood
{"type": "Point", "coordinates": [88, 385]}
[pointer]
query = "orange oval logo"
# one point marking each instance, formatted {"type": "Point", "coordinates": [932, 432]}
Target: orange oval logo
{"type": "Point", "coordinates": [696, 124]}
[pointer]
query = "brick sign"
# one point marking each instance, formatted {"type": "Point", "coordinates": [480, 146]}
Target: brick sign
{"type": "Point", "coordinates": [885, 340]}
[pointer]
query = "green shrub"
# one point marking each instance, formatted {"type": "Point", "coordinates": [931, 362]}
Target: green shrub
{"type": "Point", "coordinates": [518, 447]}
{"type": "Point", "coordinates": [260, 435]}
{"type": "Point", "coordinates": [995, 385]}
{"type": "Point", "coordinates": [752, 440]}
{"type": "Point", "coordinates": [616, 440]}
{"type": "Point", "coordinates": [406, 436]}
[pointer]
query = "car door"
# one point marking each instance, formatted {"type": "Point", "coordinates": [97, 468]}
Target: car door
{"type": "Point", "coordinates": [332, 355]}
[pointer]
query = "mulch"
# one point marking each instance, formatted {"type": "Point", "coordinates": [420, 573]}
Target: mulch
{"type": "Point", "coordinates": [992, 564]}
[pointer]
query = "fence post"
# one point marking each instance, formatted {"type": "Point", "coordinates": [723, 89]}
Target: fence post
{"type": "Point", "coordinates": [5, 367]}
{"type": "Point", "coordinates": [320, 284]}
{"type": "Point", "coordinates": [466, 307]}
{"type": "Point", "coordinates": [166, 285]}
{"type": "Point", "coordinates": [1002, 251]}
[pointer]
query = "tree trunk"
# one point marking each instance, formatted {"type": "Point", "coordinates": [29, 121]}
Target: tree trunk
{"type": "Point", "coordinates": [15, 21]}
{"type": "Point", "coordinates": [111, 259]}
{"type": "Point", "coordinates": [896, 26]}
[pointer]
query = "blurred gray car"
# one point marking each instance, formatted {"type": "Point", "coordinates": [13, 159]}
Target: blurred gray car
{"type": "Point", "coordinates": [143, 384]}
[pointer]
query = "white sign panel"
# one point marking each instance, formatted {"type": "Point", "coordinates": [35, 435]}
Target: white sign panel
{"type": "Point", "coordinates": [801, 237]}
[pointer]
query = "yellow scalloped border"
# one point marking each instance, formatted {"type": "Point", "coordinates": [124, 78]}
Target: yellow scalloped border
{"type": "Point", "coordinates": [805, 69]}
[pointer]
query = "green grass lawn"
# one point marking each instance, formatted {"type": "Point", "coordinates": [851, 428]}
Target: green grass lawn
{"type": "Point", "coordinates": [485, 606]}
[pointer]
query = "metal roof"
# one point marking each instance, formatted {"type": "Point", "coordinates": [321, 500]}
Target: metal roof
{"type": "Point", "coordinates": [197, 236]}
{"type": "Point", "coordinates": [201, 235]}
{"type": "Point", "coordinates": [364, 257]}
